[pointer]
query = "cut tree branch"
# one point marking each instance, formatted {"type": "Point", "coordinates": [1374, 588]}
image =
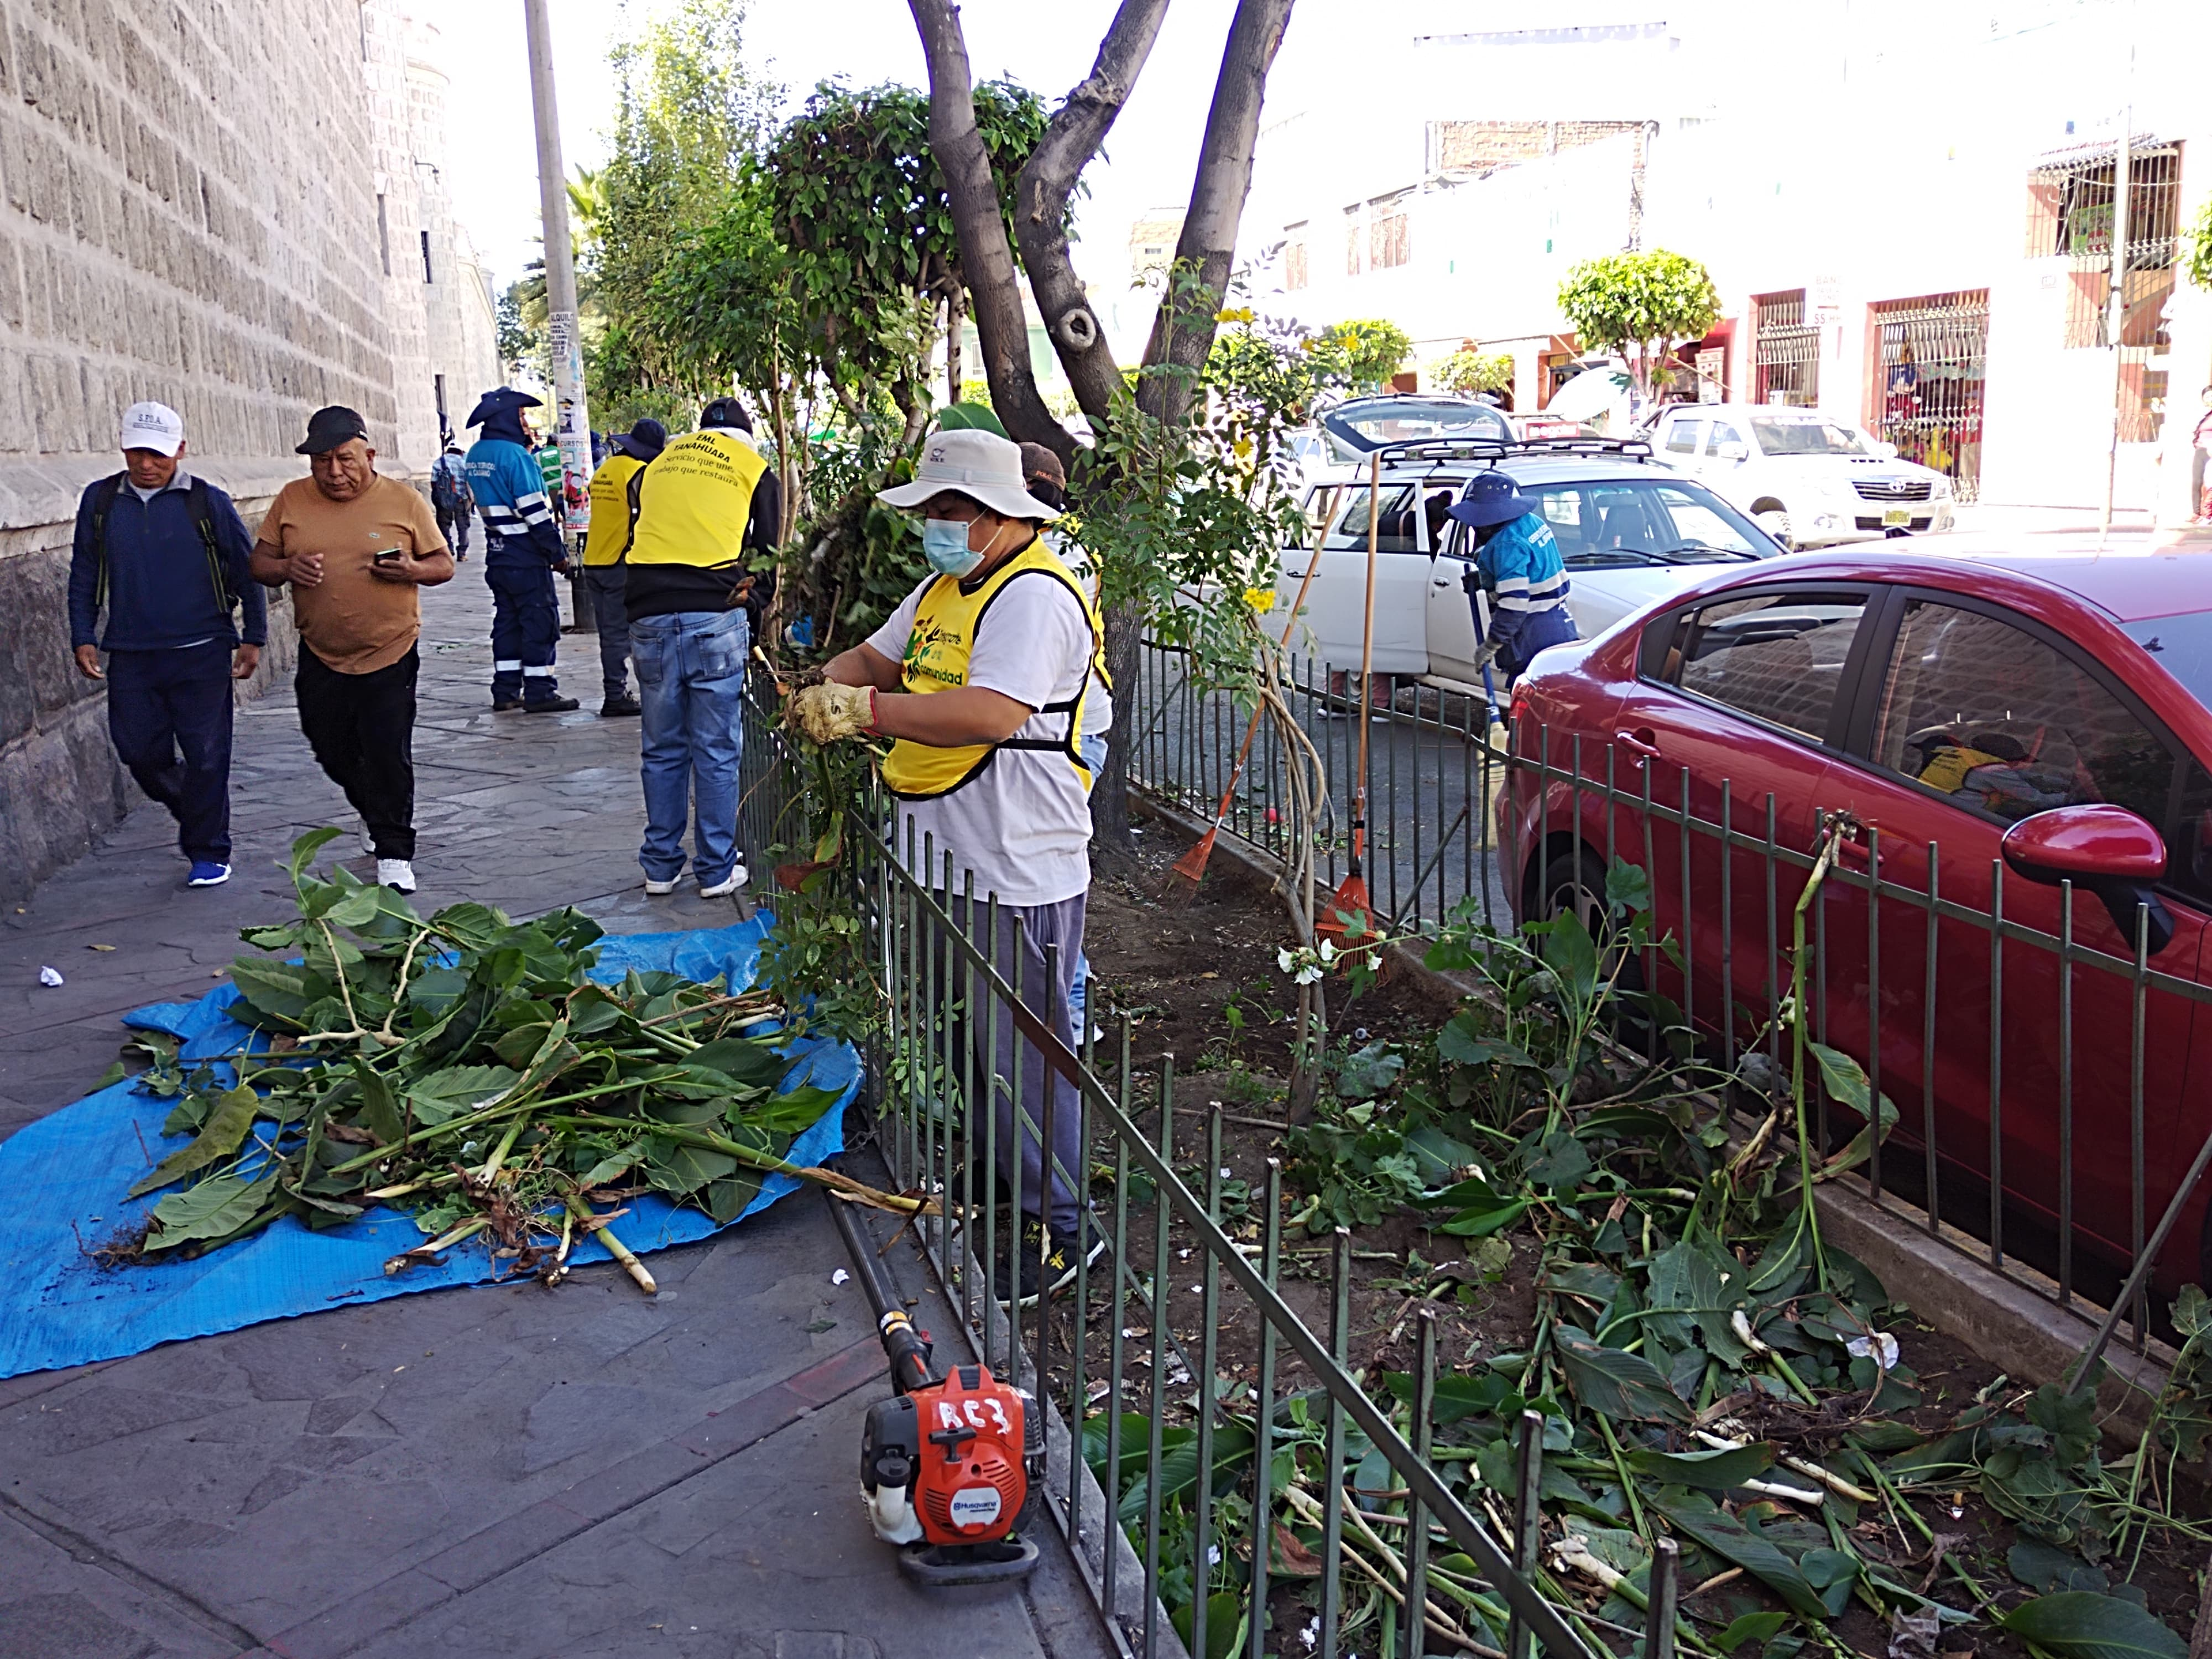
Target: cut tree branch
{"type": "Point", "coordinates": [1042, 192]}
{"type": "Point", "coordinates": [987, 259]}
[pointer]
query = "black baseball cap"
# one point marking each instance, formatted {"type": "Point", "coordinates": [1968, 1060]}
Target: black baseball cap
{"type": "Point", "coordinates": [645, 440]}
{"type": "Point", "coordinates": [725, 412]}
{"type": "Point", "coordinates": [329, 427]}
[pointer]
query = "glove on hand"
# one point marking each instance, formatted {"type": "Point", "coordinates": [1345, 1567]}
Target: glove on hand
{"type": "Point", "coordinates": [828, 712]}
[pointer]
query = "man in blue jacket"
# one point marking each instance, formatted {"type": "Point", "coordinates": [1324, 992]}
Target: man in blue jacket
{"type": "Point", "coordinates": [522, 552]}
{"type": "Point", "coordinates": [164, 555]}
{"type": "Point", "coordinates": [1518, 563]}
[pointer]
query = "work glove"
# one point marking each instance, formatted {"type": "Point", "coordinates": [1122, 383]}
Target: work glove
{"type": "Point", "coordinates": [828, 712]}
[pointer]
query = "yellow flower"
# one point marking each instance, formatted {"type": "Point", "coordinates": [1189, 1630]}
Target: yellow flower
{"type": "Point", "coordinates": [1243, 448]}
{"type": "Point", "coordinates": [1262, 600]}
{"type": "Point", "coordinates": [1233, 314]}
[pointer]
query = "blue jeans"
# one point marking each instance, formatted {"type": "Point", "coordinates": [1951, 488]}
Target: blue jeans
{"type": "Point", "coordinates": [690, 675]}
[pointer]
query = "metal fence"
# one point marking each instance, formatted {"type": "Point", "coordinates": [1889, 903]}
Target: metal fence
{"type": "Point", "coordinates": [1170, 1285]}
{"type": "Point", "coordinates": [2020, 1141]}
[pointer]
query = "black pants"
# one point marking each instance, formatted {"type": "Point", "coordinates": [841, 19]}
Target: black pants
{"type": "Point", "coordinates": [162, 705]}
{"type": "Point", "coordinates": [454, 527]}
{"type": "Point", "coordinates": [361, 727]}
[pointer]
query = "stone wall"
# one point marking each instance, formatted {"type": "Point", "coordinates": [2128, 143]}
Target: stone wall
{"type": "Point", "coordinates": [187, 212]}
{"type": "Point", "coordinates": [1481, 146]}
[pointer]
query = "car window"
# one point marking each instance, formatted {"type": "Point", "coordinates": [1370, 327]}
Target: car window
{"type": "Point", "coordinates": [1682, 437]}
{"type": "Point", "coordinates": [1631, 523]}
{"type": "Point", "coordinates": [2182, 644]}
{"type": "Point", "coordinates": [1803, 436]}
{"type": "Point", "coordinates": [2188, 849]}
{"type": "Point", "coordinates": [2004, 723]}
{"type": "Point", "coordinates": [1725, 433]}
{"type": "Point", "coordinates": [1778, 658]}
{"type": "Point", "coordinates": [1397, 533]}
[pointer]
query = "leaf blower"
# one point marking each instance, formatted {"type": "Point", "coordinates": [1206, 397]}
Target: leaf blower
{"type": "Point", "coordinates": [949, 1465]}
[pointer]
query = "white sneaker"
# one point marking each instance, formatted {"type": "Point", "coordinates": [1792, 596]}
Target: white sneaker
{"type": "Point", "coordinates": [396, 874]}
{"type": "Point", "coordinates": [728, 885]}
{"type": "Point", "coordinates": [660, 889]}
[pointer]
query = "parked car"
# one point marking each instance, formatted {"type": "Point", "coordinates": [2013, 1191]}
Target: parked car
{"type": "Point", "coordinates": [1631, 532]}
{"type": "Point", "coordinates": [1529, 428]}
{"type": "Point", "coordinates": [1359, 426]}
{"type": "Point", "coordinates": [1602, 397]}
{"type": "Point", "coordinates": [1810, 479]}
{"type": "Point", "coordinates": [2041, 716]}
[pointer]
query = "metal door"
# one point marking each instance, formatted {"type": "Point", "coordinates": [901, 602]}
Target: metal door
{"type": "Point", "coordinates": [1933, 354]}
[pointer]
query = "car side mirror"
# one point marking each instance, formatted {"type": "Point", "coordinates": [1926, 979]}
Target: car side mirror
{"type": "Point", "coordinates": [1735, 450]}
{"type": "Point", "coordinates": [2107, 849]}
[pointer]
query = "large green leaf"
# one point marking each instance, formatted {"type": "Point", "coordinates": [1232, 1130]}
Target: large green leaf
{"type": "Point", "coordinates": [685, 1170]}
{"type": "Point", "coordinates": [1625, 1387]}
{"type": "Point", "coordinates": [457, 1090]}
{"type": "Point", "coordinates": [1224, 1624]}
{"type": "Point", "coordinates": [1730, 1539]}
{"type": "Point", "coordinates": [1712, 1471]}
{"type": "Point", "coordinates": [788, 1114]}
{"type": "Point", "coordinates": [969, 418]}
{"type": "Point", "coordinates": [273, 992]}
{"type": "Point", "coordinates": [215, 1208]}
{"type": "Point", "coordinates": [2083, 1625]}
{"type": "Point", "coordinates": [742, 1059]}
{"type": "Point", "coordinates": [222, 1134]}
{"type": "Point", "coordinates": [1752, 1627]}
{"type": "Point", "coordinates": [1690, 1286]}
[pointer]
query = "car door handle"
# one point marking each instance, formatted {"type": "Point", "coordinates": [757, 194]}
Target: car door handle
{"type": "Point", "coordinates": [1644, 743]}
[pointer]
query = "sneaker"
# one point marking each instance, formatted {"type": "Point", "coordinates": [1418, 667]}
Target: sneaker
{"type": "Point", "coordinates": [1051, 1262]}
{"type": "Point", "coordinates": [505, 705]}
{"type": "Point", "coordinates": [728, 885]}
{"type": "Point", "coordinates": [660, 889]}
{"type": "Point", "coordinates": [398, 874]}
{"type": "Point", "coordinates": [207, 874]}
{"type": "Point", "coordinates": [613, 708]}
{"type": "Point", "coordinates": [550, 706]}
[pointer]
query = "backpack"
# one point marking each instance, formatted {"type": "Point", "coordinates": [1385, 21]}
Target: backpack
{"type": "Point", "coordinates": [449, 493]}
{"type": "Point", "coordinates": [203, 513]}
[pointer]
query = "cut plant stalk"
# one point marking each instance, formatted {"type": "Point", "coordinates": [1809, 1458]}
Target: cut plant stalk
{"type": "Point", "coordinates": [843, 1185]}
{"type": "Point", "coordinates": [621, 1252]}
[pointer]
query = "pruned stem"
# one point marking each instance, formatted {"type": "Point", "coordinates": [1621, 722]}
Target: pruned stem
{"type": "Point", "coordinates": [616, 1248]}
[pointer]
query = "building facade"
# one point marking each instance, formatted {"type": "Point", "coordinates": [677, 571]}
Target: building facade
{"type": "Point", "coordinates": [1911, 229]}
{"type": "Point", "coordinates": [189, 211]}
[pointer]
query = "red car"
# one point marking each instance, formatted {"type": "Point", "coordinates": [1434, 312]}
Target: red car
{"type": "Point", "coordinates": [1996, 725]}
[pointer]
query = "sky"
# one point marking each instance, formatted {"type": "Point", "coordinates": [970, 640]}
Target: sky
{"type": "Point", "coordinates": [491, 166]}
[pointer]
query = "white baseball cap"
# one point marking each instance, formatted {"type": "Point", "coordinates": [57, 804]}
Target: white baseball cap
{"type": "Point", "coordinates": [152, 426]}
{"type": "Point", "coordinates": [979, 465]}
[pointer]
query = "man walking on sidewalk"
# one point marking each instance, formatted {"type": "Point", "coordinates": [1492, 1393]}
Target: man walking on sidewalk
{"type": "Point", "coordinates": [606, 545]}
{"type": "Point", "coordinates": [355, 547]}
{"type": "Point", "coordinates": [166, 556]}
{"type": "Point", "coordinates": [702, 506]}
{"type": "Point", "coordinates": [522, 552]}
{"type": "Point", "coordinates": [450, 499]}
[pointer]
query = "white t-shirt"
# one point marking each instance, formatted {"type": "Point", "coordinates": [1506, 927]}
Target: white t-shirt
{"type": "Point", "coordinates": [1022, 825]}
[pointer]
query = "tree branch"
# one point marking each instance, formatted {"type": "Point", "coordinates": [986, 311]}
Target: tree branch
{"type": "Point", "coordinates": [1183, 333]}
{"type": "Point", "coordinates": [987, 260]}
{"type": "Point", "coordinates": [1041, 198]}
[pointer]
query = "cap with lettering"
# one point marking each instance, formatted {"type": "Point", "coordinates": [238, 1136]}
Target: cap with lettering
{"type": "Point", "coordinates": [152, 426]}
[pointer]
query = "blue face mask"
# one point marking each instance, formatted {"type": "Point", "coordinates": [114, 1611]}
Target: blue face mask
{"type": "Point", "coordinates": [945, 544]}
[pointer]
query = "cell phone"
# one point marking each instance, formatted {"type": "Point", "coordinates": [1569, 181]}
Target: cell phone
{"type": "Point", "coordinates": [387, 556]}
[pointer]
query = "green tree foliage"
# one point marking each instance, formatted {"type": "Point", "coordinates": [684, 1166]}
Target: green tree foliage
{"type": "Point", "coordinates": [1641, 304]}
{"type": "Point", "coordinates": [1472, 371]}
{"type": "Point", "coordinates": [1361, 355]}
{"type": "Point", "coordinates": [2197, 263]}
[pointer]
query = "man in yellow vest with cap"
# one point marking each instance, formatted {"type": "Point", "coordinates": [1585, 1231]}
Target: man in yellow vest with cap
{"type": "Point", "coordinates": [980, 679]}
{"type": "Point", "coordinates": [614, 492]}
{"type": "Point", "coordinates": [702, 506]}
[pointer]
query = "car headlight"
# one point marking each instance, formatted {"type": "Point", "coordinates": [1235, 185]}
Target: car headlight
{"type": "Point", "coordinates": [1942, 490]}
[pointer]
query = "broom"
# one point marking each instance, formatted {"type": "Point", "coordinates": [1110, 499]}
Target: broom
{"type": "Point", "coordinates": [1351, 900]}
{"type": "Point", "coordinates": [1190, 868]}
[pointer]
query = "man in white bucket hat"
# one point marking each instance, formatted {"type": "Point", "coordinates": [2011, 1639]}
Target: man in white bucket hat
{"type": "Point", "coordinates": [980, 681]}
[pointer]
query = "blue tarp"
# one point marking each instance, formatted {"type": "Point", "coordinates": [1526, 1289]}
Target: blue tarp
{"type": "Point", "coordinates": [68, 1173]}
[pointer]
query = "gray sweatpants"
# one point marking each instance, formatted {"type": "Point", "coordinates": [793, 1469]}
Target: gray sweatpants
{"type": "Point", "coordinates": [1025, 931]}
{"type": "Point", "coordinates": [612, 619]}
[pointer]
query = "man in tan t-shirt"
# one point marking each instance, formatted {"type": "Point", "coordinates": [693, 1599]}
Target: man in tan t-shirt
{"type": "Point", "coordinates": [355, 547]}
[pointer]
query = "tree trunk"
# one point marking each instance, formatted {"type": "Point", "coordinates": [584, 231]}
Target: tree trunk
{"type": "Point", "coordinates": [1040, 198]}
{"type": "Point", "coordinates": [955, 313]}
{"type": "Point", "coordinates": [1183, 333]}
{"type": "Point", "coordinates": [1109, 796]}
{"type": "Point", "coordinates": [985, 259]}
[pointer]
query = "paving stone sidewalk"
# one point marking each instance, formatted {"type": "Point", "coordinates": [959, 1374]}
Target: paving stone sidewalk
{"type": "Point", "coordinates": [582, 1473]}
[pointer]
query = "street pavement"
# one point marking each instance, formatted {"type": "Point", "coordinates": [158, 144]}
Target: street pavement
{"type": "Point", "coordinates": [585, 1472]}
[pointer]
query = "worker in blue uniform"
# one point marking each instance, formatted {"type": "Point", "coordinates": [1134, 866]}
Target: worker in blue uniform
{"type": "Point", "coordinates": [522, 552]}
{"type": "Point", "coordinates": [1518, 565]}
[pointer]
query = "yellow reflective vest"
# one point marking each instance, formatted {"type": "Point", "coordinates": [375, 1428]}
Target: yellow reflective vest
{"type": "Point", "coordinates": [945, 625]}
{"type": "Point", "coordinates": [614, 508]}
{"type": "Point", "coordinates": [694, 501]}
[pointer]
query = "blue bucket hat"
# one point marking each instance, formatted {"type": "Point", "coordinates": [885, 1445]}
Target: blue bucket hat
{"type": "Point", "coordinates": [1490, 499]}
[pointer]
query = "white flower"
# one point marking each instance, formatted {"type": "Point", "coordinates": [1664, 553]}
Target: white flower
{"type": "Point", "coordinates": [1214, 1555]}
{"type": "Point", "coordinates": [1307, 975]}
{"type": "Point", "coordinates": [1285, 960]}
{"type": "Point", "coordinates": [1328, 949]}
{"type": "Point", "coordinates": [1312, 1633]}
{"type": "Point", "coordinates": [1881, 1347]}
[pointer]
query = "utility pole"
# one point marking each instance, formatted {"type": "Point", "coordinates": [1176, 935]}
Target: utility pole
{"type": "Point", "coordinates": [2116, 320]}
{"type": "Point", "coordinates": [572, 426]}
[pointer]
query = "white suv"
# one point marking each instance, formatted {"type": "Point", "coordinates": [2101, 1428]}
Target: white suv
{"type": "Point", "coordinates": [1810, 480]}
